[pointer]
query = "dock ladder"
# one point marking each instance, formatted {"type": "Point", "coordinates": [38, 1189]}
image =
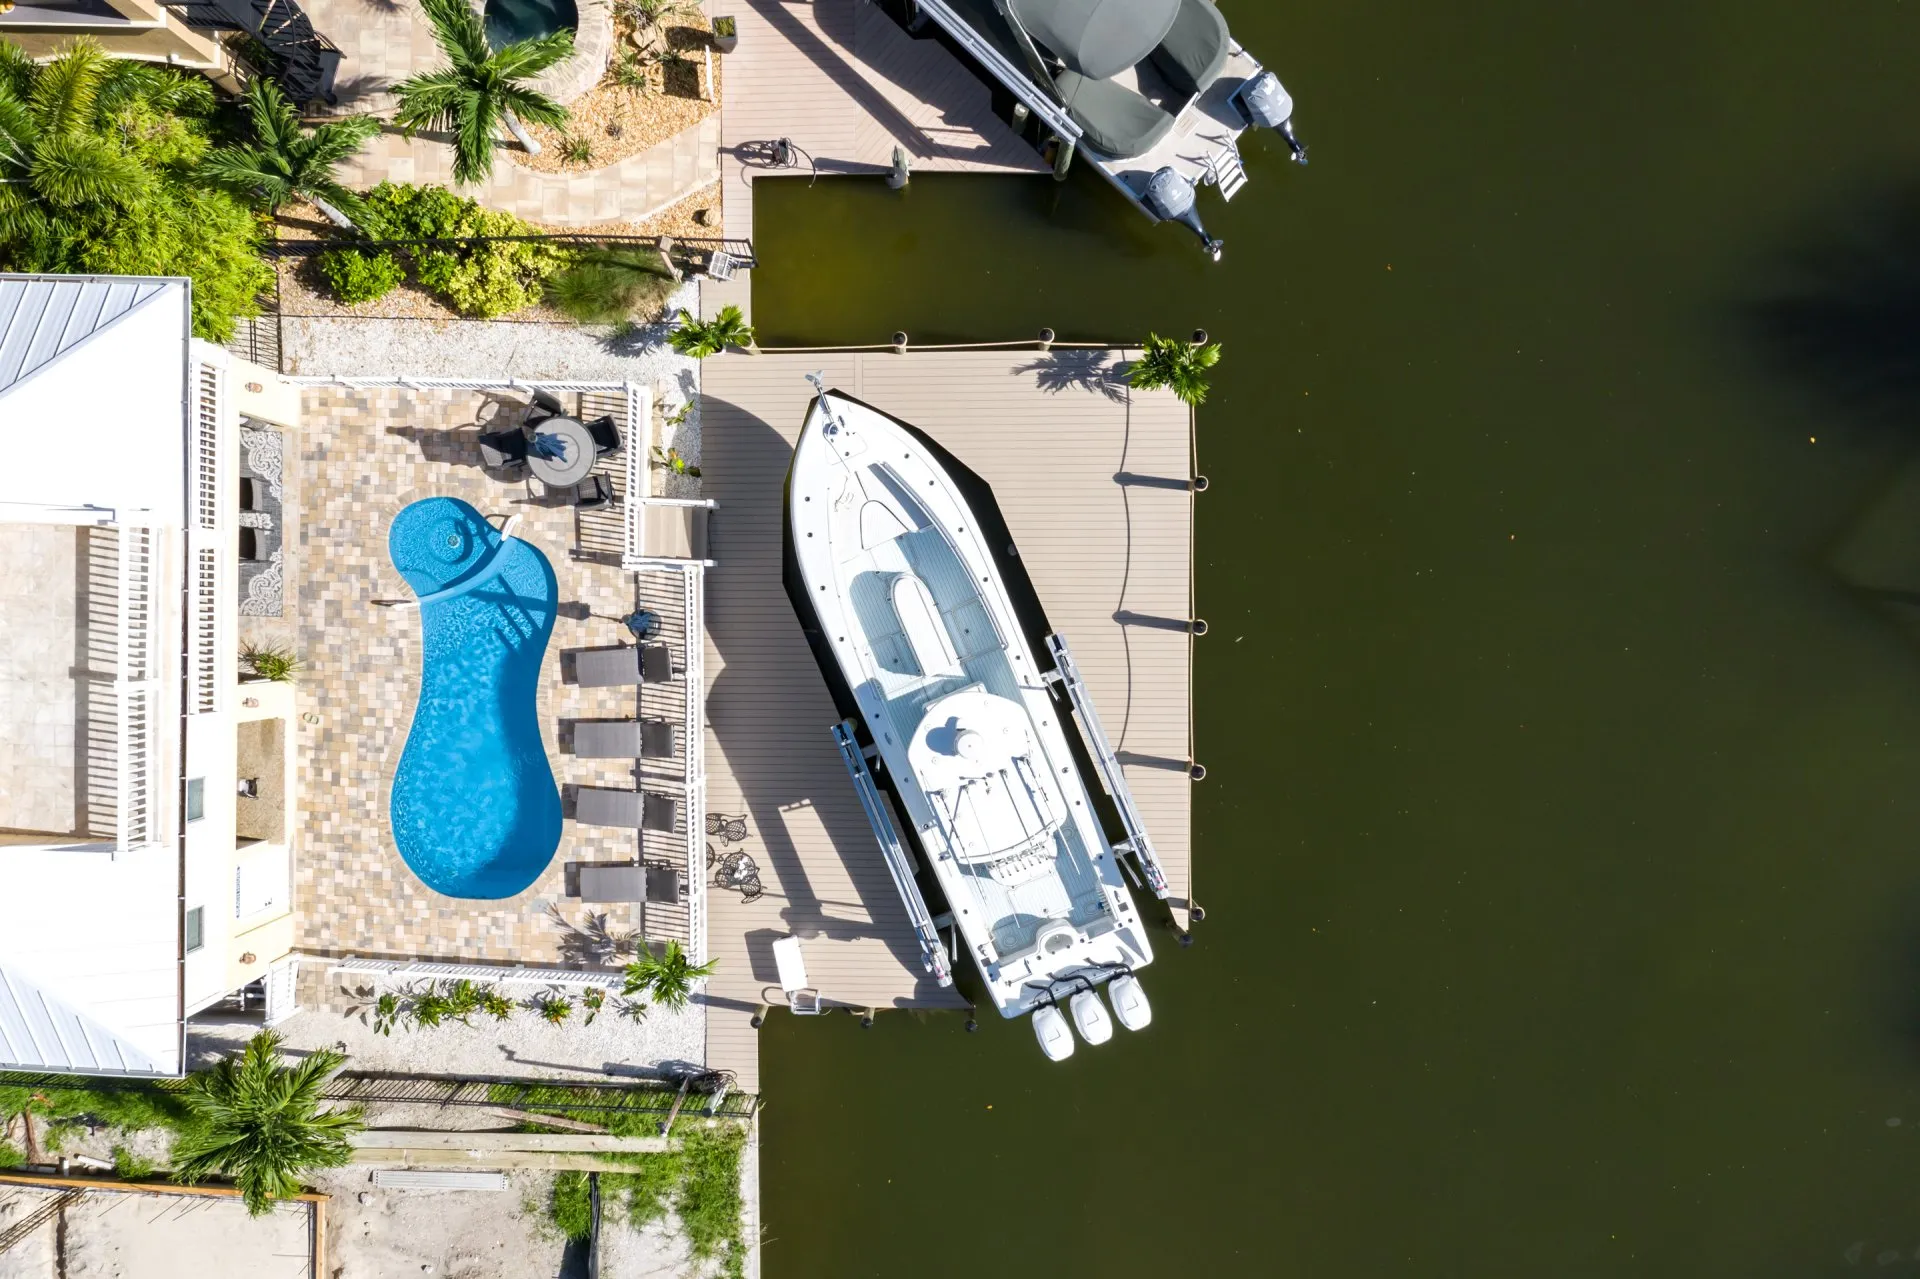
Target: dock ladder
{"type": "Point", "coordinates": [1067, 674]}
{"type": "Point", "coordinates": [933, 954]}
{"type": "Point", "coordinates": [1225, 170]}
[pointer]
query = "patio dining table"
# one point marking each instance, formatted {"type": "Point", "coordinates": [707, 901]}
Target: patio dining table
{"type": "Point", "coordinates": [577, 452]}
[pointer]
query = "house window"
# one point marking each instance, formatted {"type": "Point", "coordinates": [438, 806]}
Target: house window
{"type": "Point", "coordinates": [196, 933]}
{"type": "Point", "coordinates": [196, 798]}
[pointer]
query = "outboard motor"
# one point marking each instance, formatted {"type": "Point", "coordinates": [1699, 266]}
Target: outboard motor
{"type": "Point", "coordinates": [1169, 197]}
{"type": "Point", "coordinates": [1267, 105]}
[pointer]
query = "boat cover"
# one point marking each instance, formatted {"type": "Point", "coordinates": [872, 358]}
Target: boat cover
{"type": "Point", "coordinates": [1098, 38]}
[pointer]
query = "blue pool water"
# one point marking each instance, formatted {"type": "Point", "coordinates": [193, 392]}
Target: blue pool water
{"type": "Point", "coordinates": [475, 811]}
{"type": "Point", "coordinates": [511, 20]}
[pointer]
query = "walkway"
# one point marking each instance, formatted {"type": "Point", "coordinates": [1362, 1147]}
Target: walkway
{"type": "Point", "coordinates": [1092, 479]}
{"type": "Point", "coordinates": [634, 188]}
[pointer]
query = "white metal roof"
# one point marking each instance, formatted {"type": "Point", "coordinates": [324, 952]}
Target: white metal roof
{"type": "Point", "coordinates": [44, 316]}
{"type": "Point", "coordinates": [41, 1031]}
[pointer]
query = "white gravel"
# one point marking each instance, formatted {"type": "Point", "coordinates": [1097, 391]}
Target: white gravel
{"type": "Point", "coordinates": [316, 346]}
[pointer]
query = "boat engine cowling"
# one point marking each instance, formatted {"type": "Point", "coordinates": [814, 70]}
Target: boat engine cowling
{"type": "Point", "coordinates": [1267, 105]}
{"type": "Point", "coordinates": [1130, 1005]}
{"type": "Point", "coordinates": [1170, 197]}
{"type": "Point", "coordinates": [1050, 1028]}
{"type": "Point", "coordinates": [1090, 1018]}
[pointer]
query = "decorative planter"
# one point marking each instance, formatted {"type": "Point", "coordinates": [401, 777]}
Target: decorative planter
{"type": "Point", "coordinates": [726, 34]}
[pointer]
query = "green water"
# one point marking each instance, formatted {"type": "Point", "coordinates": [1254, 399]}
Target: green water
{"type": "Point", "coordinates": [1560, 839]}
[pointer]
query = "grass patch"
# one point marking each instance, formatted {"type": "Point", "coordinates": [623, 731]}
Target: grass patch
{"type": "Point", "coordinates": [11, 1156]}
{"type": "Point", "coordinates": [129, 1109]}
{"type": "Point", "coordinates": [700, 1182]}
{"type": "Point", "coordinates": [131, 1167]}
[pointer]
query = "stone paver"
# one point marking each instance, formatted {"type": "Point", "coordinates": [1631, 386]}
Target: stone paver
{"type": "Point", "coordinates": [362, 455]}
{"type": "Point", "coordinates": [634, 188]}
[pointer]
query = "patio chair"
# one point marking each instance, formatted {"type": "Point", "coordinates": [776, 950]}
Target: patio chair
{"type": "Point", "coordinates": [593, 493]}
{"type": "Point", "coordinates": [623, 739]}
{"type": "Point", "coordinates": [612, 883]}
{"type": "Point", "coordinates": [504, 450]}
{"type": "Point", "coordinates": [606, 667]}
{"type": "Point", "coordinates": [545, 405]}
{"type": "Point", "coordinates": [1195, 49]}
{"type": "Point", "coordinates": [606, 436]}
{"type": "Point", "coordinates": [801, 998]}
{"type": "Point", "coordinates": [665, 884]}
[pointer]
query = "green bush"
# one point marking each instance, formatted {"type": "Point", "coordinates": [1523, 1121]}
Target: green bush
{"type": "Point", "coordinates": [131, 1167]}
{"type": "Point", "coordinates": [483, 280]}
{"type": "Point", "coordinates": [700, 1182]}
{"type": "Point", "coordinates": [11, 1156]}
{"type": "Point", "coordinates": [353, 276]}
{"type": "Point", "coordinates": [611, 286]}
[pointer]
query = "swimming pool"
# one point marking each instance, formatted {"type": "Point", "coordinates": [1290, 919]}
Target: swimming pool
{"type": "Point", "coordinates": [474, 809]}
{"type": "Point", "coordinates": [511, 20]}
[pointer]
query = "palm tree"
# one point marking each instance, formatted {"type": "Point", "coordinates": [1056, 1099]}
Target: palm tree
{"type": "Point", "coordinates": [62, 155]}
{"type": "Point", "coordinates": [701, 338]}
{"type": "Point", "coordinates": [482, 89]}
{"type": "Point", "coordinates": [1172, 363]}
{"type": "Point", "coordinates": [284, 161]}
{"type": "Point", "coordinates": [259, 1122]}
{"type": "Point", "coordinates": [667, 978]}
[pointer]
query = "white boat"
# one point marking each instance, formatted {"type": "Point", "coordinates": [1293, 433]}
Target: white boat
{"type": "Point", "coordinates": [893, 576]}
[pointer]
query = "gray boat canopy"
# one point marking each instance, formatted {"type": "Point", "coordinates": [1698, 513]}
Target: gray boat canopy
{"type": "Point", "coordinates": [1098, 38]}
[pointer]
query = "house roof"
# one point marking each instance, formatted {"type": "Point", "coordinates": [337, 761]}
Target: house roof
{"type": "Point", "coordinates": [41, 1031]}
{"type": "Point", "coordinates": [43, 317]}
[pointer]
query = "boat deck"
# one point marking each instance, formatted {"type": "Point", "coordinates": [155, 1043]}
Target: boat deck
{"type": "Point", "coordinates": [1093, 480]}
{"type": "Point", "coordinates": [846, 84]}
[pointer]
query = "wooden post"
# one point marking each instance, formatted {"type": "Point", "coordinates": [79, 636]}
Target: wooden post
{"type": "Point", "coordinates": [665, 245]}
{"type": "Point", "coordinates": [1062, 157]}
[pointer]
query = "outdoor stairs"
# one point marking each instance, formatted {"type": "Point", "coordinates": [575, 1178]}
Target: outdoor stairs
{"type": "Point", "coordinates": [302, 60]}
{"type": "Point", "coordinates": [1225, 170]}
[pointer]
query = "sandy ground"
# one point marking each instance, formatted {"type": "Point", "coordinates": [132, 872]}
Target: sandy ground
{"type": "Point", "coordinates": [620, 120]}
{"type": "Point", "coordinates": [117, 1235]}
{"type": "Point", "coordinates": [614, 1045]}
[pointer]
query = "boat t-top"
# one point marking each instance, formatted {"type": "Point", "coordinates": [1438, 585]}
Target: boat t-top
{"type": "Point", "coordinates": [892, 576]}
{"type": "Point", "coordinates": [1156, 93]}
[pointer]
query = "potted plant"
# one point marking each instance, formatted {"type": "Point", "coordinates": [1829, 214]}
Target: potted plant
{"type": "Point", "coordinates": [726, 34]}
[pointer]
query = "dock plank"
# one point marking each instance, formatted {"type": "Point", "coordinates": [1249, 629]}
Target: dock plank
{"type": "Point", "coordinates": [1054, 435]}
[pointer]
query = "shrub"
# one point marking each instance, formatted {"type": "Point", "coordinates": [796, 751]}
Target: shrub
{"type": "Point", "coordinates": [11, 1156]}
{"type": "Point", "coordinates": [701, 338]}
{"type": "Point", "coordinates": [353, 276]}
{"type": "Point", "coordinates": [576, 148]}
{"type": "Point", "coordinates": [273, 662]}
{"type": "Point", "coordinates": [612, 286]}
{"type": "Point", "coordinates": [554, 1009]}
{"type": "Point", "coordinates": [482, 280]}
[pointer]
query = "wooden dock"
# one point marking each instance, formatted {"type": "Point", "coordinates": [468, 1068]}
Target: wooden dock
{"type": "Point", "coordinates": [846, 85]}
{"type": "Point", "coordinates": [1093, 479]}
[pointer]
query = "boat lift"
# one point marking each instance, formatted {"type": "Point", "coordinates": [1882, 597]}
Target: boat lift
{"type": "Point", "coordinates": [933, 953]}
{"type": "Point", "coordinates": [1066, 674]}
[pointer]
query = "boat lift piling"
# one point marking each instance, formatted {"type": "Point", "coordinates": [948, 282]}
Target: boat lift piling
{"type": "Point", "coordinates": [933, 952]}
{"type": "Point", "coordinates": [1067, 675]}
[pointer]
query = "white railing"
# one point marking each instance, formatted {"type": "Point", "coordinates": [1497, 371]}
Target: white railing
{"type": "Point", "coordinates": [694, 728]}
{"type": "Point", "coordinates": [407, 968]}
{"type": "Point", "coordinates": [639, 472]}
{"type": "Point", "coordinates": [136, 690]}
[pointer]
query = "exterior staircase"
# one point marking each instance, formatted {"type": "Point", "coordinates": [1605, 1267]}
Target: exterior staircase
{"type": "Point", "coordinates": [276, 39]}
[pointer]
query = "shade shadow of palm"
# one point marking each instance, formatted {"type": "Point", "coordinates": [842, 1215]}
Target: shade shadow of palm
{"type": "Point", "coordinates": [1095, 371]}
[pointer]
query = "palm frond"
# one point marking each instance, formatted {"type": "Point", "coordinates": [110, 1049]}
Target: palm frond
{"type": "Point", "coordinates": [458, 30]}
{"type": "Point", "coordinates": [63, 92]}
{"type": "Point", "coordinates": [431, 99]}
{"type": "Point", "coordinates": [473, 140]}
{"type": "Point", "coordinates": [275, 123]}
{"type": "Point", "coordinates": [330, 143]}
{"type": "Point", "coordinates": [252, 172]}
{"type": "Point", "coordinates": [71, 169]}
{"type": "Point", "coordinates": [525, 58]}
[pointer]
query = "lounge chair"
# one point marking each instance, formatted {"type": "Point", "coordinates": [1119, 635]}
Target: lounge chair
{"type": "Point", "coordinates": [627, 809]}
{"type": "Point", "coordinates": [504, 450]}
{"type": "Point", "coordinates": [1196, 49]}
{"type": "Point", "coordinates": [606, 436]}
{"type": "Point", "coordinates": [623, 739]}
{"type": "Point", "coordinates": [613, 667]}
{"type": "Point", "coordinates": [1119, 123]}
{"type": "Point", "coordinates": [665, 884]}
{"type": "Point", "coordinates": [601, 883]}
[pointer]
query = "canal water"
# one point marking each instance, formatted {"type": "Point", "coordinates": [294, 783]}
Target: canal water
{"type": "Point", "coordinates": [1561, 842]}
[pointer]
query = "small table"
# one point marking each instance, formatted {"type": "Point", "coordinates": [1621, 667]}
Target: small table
{"type": "Point", "coordinates": [578, 452]}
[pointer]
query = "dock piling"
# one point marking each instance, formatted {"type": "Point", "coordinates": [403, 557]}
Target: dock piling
{"type": "Point", "coordinates": [900, 342]}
